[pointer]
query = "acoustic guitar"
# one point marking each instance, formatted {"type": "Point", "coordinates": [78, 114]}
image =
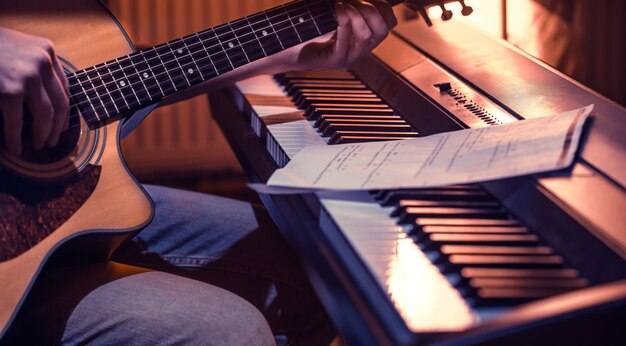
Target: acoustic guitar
{"type": "Point", "coordinates": [77, 202]}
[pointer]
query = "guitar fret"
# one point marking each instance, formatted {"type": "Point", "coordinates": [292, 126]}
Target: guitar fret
{"type": "Point", "coordinates": [143, 55]}
{"type": "Point", "coordinates": [186, 62]}
{"type": "Point", "coordinates": [182, 71]}
{"type": "Point", "coordinates": [80, 103]}
{"type": "Point", "coordinates": [117, 82]}
{"type": "Point", "coordinates": [134, 80]}
{"type": "Point", "coordinates": [291, 22]}
{"type": "Point", "coordinates": [319, 32]}
{"type": "Point", "coordinates": [128, 81]}
{"type": "Point", "coordinates": [97, 95]}
{"type": "Point", "coordinates": [233, 51]}
{"type": "Point", "coordinates": [138, 73]}
{"type": "Point", "coordinates": [216, 52]}
{"type": "Point", "coordinates": [158, 55]}
{"type": "Point", "coordinates": [302, 22]}
{"type": "Point", "coordinates": [224, 50]}
{"type": "Point", "coordinates": [239, 42]}
{"type": "Point", "coordinates": [284, 29]}
{"type": "Point", "coordinates": [251, 47]}
{"type": "Point", "coordinates": [265, 34]}
{"type": "Point", "coordinates": [255, 36]}
{"type": "Point", "coordinates": [108, 92]}
{"type": "Point", "coordinates": [207, 53]}
{"type": "Point", "coordinates": [274, 30]}
{"type": "Point", "coordinates": [107, 82]}
{"type": "Point", "coordinates": [194, 60]}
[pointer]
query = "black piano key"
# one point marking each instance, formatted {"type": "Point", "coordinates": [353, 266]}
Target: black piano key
{"type": "Point", "coordinates": [339, 101]}
{"type": "Point", "coordinates": [316, 74]}
{"type": "Point", "coordinates": [407, 203]}
{"type": "Point", "coordinates": [361, 139]}
{"type": "Point", "coordinates": [316, 111]}
{"type": "Point", "coordinates": [358, 92]}
{"type": "Point", "coordinates": [304, 94]}
{"type": "Point", "coordinates": [313, 113]}
{"type": "Point", "coordinates": [323, 124]}
{"type": "Point", "coordinates": [300, 99]}
{"type": "Point", "coordinates": [494, 250]}
{"type": "Point", "coordinates": [436, 194]}
{"type": "Point", "coordinates": [504, 261]}
{"type": "Point", "coordinates": [298, 84]}
{"type": "Point", "coordinates": [470, 273]}
{"type": "Point", "coordinates": [365, 128]}
{"type": "Point", "coordinates": [475, 229]}
{"type": "Point", "coordinates": [340, 137]}
{"type": "Point", "coordinates": [473, 187]}
{"type": "Point", "coordinates": [423, 222]}
{"type": "Point", "coordinates": [356, 117]}
{"type": "Point", "coordinates": [348, 81]}
{"type": "Point", "coordinates": [433, 241]}
{"type": "Point", "coordinates": [561, 283]}
{"type": "Point", "coordinates": [408, 215]}
{"type": "Point", "coordinates": [486, 297]}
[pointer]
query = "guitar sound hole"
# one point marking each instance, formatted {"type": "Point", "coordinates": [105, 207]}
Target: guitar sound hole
{"type": "Point", "coordinates": [67, 142]}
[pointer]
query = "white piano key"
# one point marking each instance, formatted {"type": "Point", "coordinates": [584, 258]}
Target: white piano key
{"type": "Point", "coordinates": [424, 297]}
{"type": "Point", "coordinates": [261, 85]}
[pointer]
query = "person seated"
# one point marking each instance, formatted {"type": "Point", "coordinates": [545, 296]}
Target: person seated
{"type": "Point", "coordinates": [219, 271]}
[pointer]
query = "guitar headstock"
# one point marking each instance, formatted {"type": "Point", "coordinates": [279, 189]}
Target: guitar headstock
{"type": "Point", "coordinates": [421, 6]}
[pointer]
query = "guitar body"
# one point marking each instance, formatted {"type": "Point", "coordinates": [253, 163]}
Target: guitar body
{"type": "Point", "coordinates": [82, 203]}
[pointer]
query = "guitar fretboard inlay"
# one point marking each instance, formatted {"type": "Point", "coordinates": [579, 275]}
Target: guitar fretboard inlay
{"type": "Point", "coordinates": [117, 87]}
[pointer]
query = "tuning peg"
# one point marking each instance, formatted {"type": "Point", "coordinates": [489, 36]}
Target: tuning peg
{"type": "Point", "coordinates": [467, 10]}
{"type": "Point", "coordinates": [445, 13]}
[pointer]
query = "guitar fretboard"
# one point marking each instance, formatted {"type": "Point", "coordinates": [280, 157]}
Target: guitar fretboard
{"type": "Point", "coordinates": [129, 83]}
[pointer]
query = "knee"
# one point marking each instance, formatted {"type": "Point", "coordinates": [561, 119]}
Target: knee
{"type": "Point", "coordinates": [159, 308]}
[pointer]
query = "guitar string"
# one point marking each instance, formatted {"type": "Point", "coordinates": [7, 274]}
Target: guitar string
{"type": "Point", "coordinates": [234, 21]}
{"type": "Point", "coordinates": [212, 30]}
{"type": "Point", "coordinates": [217, 64]}
{"type": "Point", "coordinates": [139, 86]}
{"type": "Point", "coordinates": [314, 19]}
{"type": "Point", "coordinates": [177, 78]}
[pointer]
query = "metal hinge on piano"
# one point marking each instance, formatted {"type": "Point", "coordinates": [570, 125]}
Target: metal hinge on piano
{"type": "Point", "coordinates": [452, 263]}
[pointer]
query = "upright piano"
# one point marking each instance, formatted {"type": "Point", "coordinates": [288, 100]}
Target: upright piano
{"type": "Point", "coordinates": [524, 260]}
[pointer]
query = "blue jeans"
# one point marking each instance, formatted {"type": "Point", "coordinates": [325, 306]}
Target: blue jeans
{"type": "Point", "coordinates": [200, 249]}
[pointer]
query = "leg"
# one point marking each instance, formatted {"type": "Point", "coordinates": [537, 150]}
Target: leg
{"type": "Point", "coordinates": [234, 245]}
{"type": "Point", "coordinates": [112, 304]}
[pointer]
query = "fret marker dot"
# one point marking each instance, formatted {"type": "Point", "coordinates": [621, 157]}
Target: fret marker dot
{"type": "Point", "coordinates": [231, 45]}
{"type": "Point", "coordinates": [180, 51]}
{"type": "Point", "coordinates": [122, 83]}
{"type": "Point", "coordinates": [301, 20]}
{"type": "Point", "coordinates": [146, 75]}
{"type": "Point", "coordinates": [265, 33]}
{"type": "Point", "coordinates": [190, 71]}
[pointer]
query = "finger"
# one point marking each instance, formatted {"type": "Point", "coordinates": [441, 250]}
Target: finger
{"type": "Point", "coordinates": [60, 73]}
{"type": "Point", "coordinates": [57, 88]}
{"type": "Point", "coordinates": [60, 105]}
{"type": "Point", "coordinates": [12, 113]}
{"type": "Point", "coordinates": [386, 12]}
{"type": "Point", "coordinates": [66, 85]}
{"type": "Point", "coordinates": [375, 22]}
{"type": "Point", "coordinates": [40, 107]}
{"type": "Point", "coordinates": [344, 35]}
{"type": "Point", "coordinates": [361, 34]}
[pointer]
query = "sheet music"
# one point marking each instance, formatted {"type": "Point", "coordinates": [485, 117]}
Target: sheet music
{"type": "Point", "coordinates": [465, 156]}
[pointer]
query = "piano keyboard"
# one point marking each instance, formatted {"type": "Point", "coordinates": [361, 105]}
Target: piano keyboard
{"type": "Point", "coordinates": [447, 257]}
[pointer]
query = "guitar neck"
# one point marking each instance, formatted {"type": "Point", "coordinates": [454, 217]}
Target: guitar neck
{"type": "Point", "coordinates": [129, 83]}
